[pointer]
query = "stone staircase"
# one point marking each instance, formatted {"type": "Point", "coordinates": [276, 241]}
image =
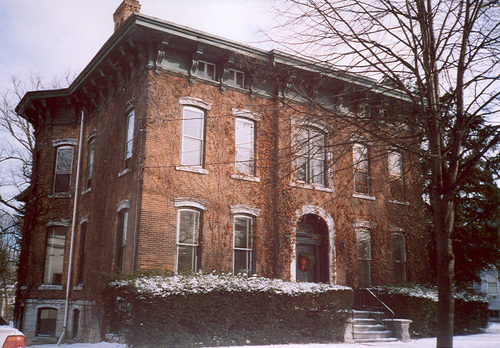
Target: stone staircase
{"type": "Point", "coordinates": [366, 328]}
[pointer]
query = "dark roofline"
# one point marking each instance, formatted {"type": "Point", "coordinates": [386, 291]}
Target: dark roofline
{"type": "Point", "coordinates": [137, 20]}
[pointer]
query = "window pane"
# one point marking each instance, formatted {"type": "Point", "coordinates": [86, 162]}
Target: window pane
{"type": "Point", "coordinates": [188, 227]}
{"type": "Point", "coordinates": [364, 245]}
{"type": "Point", "coordinates": [191, 152]}
{"type": "Point", "coordinates": [193, 123]}
{"type": "Point", "coordinates": [395, 164]}
{"type": "Point", "coordinates": [311, 165]}
{"type": "Point", "coordinates": [361, 182]}
{"type": "Point", "coordinates": [90, 161]}
{"type": "Point", "coordinates": [186, 258]}
{"type": "Point", "coordinates": [242, 261]}
{"type": "Point", "coordinates": [242, 232]}
{"type": "Point", "coordinates": [64, 161]}
{"type": "Point", "coordinates": [54, 256]}
{"type": "Point", "coordinates": [129, 141]}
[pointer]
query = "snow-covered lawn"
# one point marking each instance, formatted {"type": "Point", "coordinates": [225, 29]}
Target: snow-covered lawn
{"type": "Point", "coordinates": [490, 339]}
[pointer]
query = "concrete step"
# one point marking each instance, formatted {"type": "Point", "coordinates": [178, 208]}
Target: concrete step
{"type": "Point", "coordinates": [374, 335]}
{"type": "Point", "coordinates": [379, 340]}
{"type": "Point", "coordinates": [376, 327]}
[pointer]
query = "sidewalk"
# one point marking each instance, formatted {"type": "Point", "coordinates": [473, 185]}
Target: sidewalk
{"type": "Point", "coordinates": [490, 339]}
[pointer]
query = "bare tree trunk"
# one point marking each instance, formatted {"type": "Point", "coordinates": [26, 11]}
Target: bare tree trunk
{"type": "Point", "coordinates": [443, 217]}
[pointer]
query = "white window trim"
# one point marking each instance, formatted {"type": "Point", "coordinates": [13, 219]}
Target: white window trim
{"type": "Point", "coordinates": [249, 249]}
{"type": "Point", "coordinates": [251, 161]}
{"type": "Point", "coordinates": [65, 142]}
{"type": "Point", "coordinates": [123, 204]}
{"type": "Point", "coordinates": [242, 209]}
{"type": "Point", "coordinates": [187, 202]}
{"type": "Point", "coordinates": [198, 102]}
{"type": "Point", "coordinates": [193, 206]}
{"type": "Point", "coordinates": [185, 136]}
{"type": "Point", "coordinates": [246, 114]}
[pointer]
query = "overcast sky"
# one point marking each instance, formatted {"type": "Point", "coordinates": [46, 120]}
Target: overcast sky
{"type": "Point", "coordinates": [52, 37]}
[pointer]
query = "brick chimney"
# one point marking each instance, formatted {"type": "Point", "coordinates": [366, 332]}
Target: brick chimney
{"type": "Point", "coordinates": [126, 8]}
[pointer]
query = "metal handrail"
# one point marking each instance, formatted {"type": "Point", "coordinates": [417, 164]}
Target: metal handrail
{"type": "Point", "coordinates": [382, 303]}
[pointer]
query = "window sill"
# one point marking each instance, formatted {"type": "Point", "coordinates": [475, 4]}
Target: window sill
{"type": "Point", "coordinates": [50, 287]}
{"type": "Point", "coordinates": [197, 170]}
{"type": "Point", "coordinates": [60, 195]}
{"type": "Point", "coordinates": [86, 191]}
{"type": "Point", "coordinates": [245, 177]}
{"type": "Point", "coordinates": [78, 287]}
{"type": "Point", "coordinates": [362, 196]}
{"type": "Point", "coordinates": [125, 171]}
{"type": "Point", "coordinates": [307, 186]}
{"type": "Point", "coordinates": [394, 201]}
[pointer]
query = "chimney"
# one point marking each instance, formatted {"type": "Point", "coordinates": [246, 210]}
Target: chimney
{"type": "Point", "coordinates": [126, 8]}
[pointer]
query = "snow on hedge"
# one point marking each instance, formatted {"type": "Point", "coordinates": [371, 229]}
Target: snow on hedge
{"type": "Point", "coordinates": [431, 293]}
{"type": "Point", "coordinates": [163, 286]}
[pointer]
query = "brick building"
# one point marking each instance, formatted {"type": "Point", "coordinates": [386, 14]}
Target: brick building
{"type": "Point", "coordinates": [174, 149]}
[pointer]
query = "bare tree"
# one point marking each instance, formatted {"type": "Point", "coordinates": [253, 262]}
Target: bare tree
{"type": "Point", "coordinates": [442, 56]}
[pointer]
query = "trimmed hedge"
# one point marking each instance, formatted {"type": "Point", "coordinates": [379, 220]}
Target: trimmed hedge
{"type": "Point", "coordinates": [222, 310]}
{"type": "Point", "coordinates": [420, 305]}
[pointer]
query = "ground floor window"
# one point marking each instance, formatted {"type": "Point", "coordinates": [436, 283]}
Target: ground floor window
{"type": "Point", "coordinates": [46, 322]}
{"type": "Point", "coordinates": [188, 235]}
{"type": "Point", "coordinates": [243, 260]}
{"type": "Point", "coordinates": [364, 257]}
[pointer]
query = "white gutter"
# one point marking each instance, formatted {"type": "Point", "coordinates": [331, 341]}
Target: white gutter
{"type": "Point", "coordinates": [73, 227]}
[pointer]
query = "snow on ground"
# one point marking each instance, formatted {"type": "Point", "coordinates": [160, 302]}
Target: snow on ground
{"type": "Point", "coordinates": [489, 339]}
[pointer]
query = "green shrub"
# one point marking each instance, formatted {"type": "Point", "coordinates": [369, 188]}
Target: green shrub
{"type": "Point", "coordinates": [218, 310]}
{"type": "Point", "coordinates": [420, 305]}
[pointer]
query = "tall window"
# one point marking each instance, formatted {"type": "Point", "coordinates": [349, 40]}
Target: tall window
{"type": "Point", "coordinates": [395, 160]}
{"type": "Point", "coordinates": [46, 322]}
{"type": "Point", "coordinates": [399, 258]}
{"type": "Point", "coordinates": [121, 239]}
{"type": "Point", "coordinates": [243, 257]}
{"type": "Point", "coordinates": [64, 166]}
{"type": "Point", "coordinates": [236, 78]}
{"type": "Point", "coordinates": [188, 235]}
{"type": "Point", "coordinates": [54, 255]}
{"type": "Point", "coordinates": [361, 169]}
{"type": "Point", "coordinates": [192, 136]}
{"type": "Point", "coordinates": [364, 257]}
{"type": "Point", "coordinates": [311, 164]}
{"type": "Point", "coordinates": [129, 138]}
{"type": "Point", "coordinates": [83, 252]}
{"type": "Point", "coordinates": [245, 146]}
{"type": "Point", "coordinates": [90, 162]}
{"type": "Point", "coordinates": [206, 70]}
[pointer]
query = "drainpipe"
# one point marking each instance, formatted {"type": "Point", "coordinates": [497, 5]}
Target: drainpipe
{"type": "Point", "coordinates": [73, 227]}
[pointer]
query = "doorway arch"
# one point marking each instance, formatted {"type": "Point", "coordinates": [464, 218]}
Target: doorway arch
{"type": "Point", "coordinates": [313, 240]}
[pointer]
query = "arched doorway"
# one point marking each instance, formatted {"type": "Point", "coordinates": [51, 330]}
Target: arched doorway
{"type": "Point", "coordinates": [312, 261]}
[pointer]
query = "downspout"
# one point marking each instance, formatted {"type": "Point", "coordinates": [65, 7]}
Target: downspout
{"type": "Point", "coordinates": [73, 227]}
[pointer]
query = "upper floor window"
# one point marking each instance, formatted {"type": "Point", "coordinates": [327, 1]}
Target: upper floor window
{"type": "Point", "coordinates": [64, 166]}
{"type": "Point", "coordinates": [206, 70]}
{"type": "Point", "coordinates": [236, 78]}
{"type": "Point", "coordinates": [244, 146]}
{"type": "Point", "coordinates": [129, 138]}
{"type": "Point", "coordinates": [361, 168]}
{"type": "Point", "coordinates": [193, 132]}
{"type": "Point", "coordinates": [396, 184]}
{"type": "Point", "coordinates": [188, 240]}
{"type": "Point", "coordinates": [54, 255]}
{"type": "Point", "coordinates": [121, 239]}
{"type": "Point", "coordinates": [399, 258]}
{"type": "Point", "coordinates": [90, 162]}
{"type": "Point", "coordinates": [243, 257]}
{"type": "Point", "coordinates": [311, 163]}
